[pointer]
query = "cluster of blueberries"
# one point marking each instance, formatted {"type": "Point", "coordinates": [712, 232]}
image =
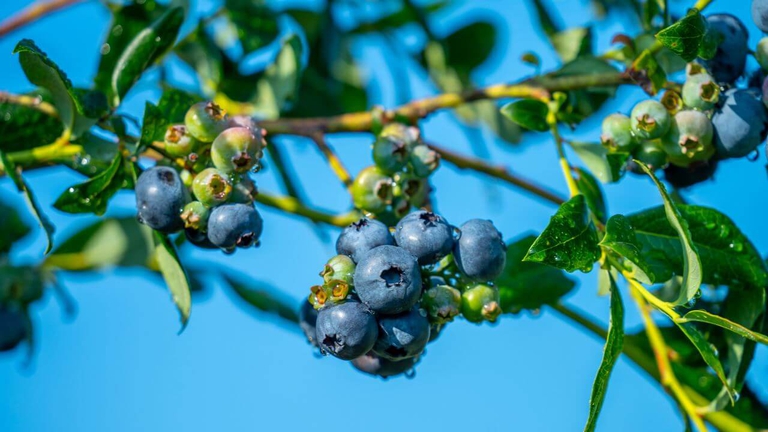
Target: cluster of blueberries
{"type": "Point", "coordinates": [710, 119]}
{"type": "Point", "coordinates": [217, 154]}
{"type": "Point", "coordinates": [388, 293]}
{"type": "Point", "coordinates": [398, 180]}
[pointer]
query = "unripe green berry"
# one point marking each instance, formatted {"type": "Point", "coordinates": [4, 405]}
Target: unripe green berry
{"type": "Point", "coordinates": [244, 191]}
{"type": "Point", "coordinates": [211, 187]}
{"type": "Point", "coordinates": [700, 91]}
{"type": "Point", "coordinates": [442, 303]}
{"type": "Point", "coordinates": [372, 190]}
{"type": "Point", "coordinates": [652, 154]}
{"type": "Point", "coordinates": [672, 101]}
{"type": "Point", "coordinates": [412, 188]}
{"type": "Point", "coordinates": [689, 139]}
{"type": "Point", "coordinates": [237, 150]}
{"type": "Point", "coordinates": [195, 216]}
{"type": "Point", "coordinates": [390, 151]}
{"type": "Point", "coordinates": [408, 135]}
{"type": "Point", "coordinates": [340, 268]}
{"type": "Point", "coordinates": [617, 133]}
{"type": "Point", "coordinates": [761, 53]}
{"type": "Point", "coordinates": [480, 303]}
{"type": "Point", "coordinates": [333, 292]}
{"type": "Point", "coordinates": [424, 160]}
{"type": "Point", "coordinates": [205, 121]}
{"type": "Point", "coordinates": [179, 142]}
{"type": "Point", "coordinates": [650, 119]}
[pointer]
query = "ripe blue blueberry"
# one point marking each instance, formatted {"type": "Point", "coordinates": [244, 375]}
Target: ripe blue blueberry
{"type": "Point", "coordinates": [617, 133]}
{"type": "Point", "coordinates": [689, 140]}
{"type": "Point", "coordinates": [402, 336]}
{"type": "Point", "coordinates": [13, 328]}
{"type": "Point", "coordinates": [372, 364]}
{"type": "Point", "coordinates": [728, 63]}
{"type": "Point", "coordinates": [199, 238]}
{"type": "Point", "coordinates": [238, 150]}
{"type": "Point", "coordinates": [388, 280]}
{"type": "Point", "coordinates": [308, 322]}
{"type": "Point", "coordinates": [234, 225]}
{"type": "Point", "coordinates": [700, 91]}
{"type": "Point", "coordinates": [650, 119]}
{"type": "Point", "coordinates": [372, 190]}
{"type": "Point", "coordinates": [760, 14]}
{"type": "Point", "coordinates": [740, 123]}
{"type": "Point", "coordinates": [362, 236]}
{"type": "Point", "coordinates": [425, 235]}
{"type": "Point", "coordinates": [480, 251]}
{"type": "Point", "coordinates": [346, 330]}
{"type": "Point", "coordinates": [683, 177]}
{"type": "Point", "coordinates": [160, 198]}
{"type": "Point", "coordinates": [205, 121]}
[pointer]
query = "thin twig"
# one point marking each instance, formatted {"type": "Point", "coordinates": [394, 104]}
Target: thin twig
{"type": "Point", "coordinates": [293, 206]}
{"type": "Point", "coordinates": [32, 13]}
{"type": "Point", "coordinates": [333, 159]}
{"type": "Point", "coordinates": [34, 102]}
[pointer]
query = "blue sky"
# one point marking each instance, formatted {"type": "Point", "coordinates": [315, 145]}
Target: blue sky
{"type": "Point", "coordinates": [120, 365]}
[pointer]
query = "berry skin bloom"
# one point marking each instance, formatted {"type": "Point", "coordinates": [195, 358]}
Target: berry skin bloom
{"type": "Point", "coordinates": [205, 121]}
{"type": "Point", "coordinates": [700, 91]}
{"type": "Point", "coordinates": [425, 235]}
{"type": "Point", "coordinates": [362, 236]}
{"type": "Point", "coordinates": [388, 280]}
{"type": "Point", "coordinates": [617, 133]}
{"type": "Point", "coordinates": [346, 330]}
{"type": "Point", "coordinates": [650, 119]}
{"type": "Point", "coordinates": [689, 140]}
{"type": "Point", "coordinates": [402, 336]}
{"type": "Point", "coordinates": [480, 251]}
{"type": "Point", "coordinates": [234, 225]}
{"type": "Point", "coordinates": [160, 198]}
{"type": "Point", "coordinates": [372, 364]}
{"type": "Point", "coordinates": [740, 123]}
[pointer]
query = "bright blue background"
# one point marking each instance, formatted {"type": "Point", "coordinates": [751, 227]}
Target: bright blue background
{"type": "Point", "coordinates": [120, 366]}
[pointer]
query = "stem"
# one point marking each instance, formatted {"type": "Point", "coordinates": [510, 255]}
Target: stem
{"type": "Point", "coordinates": [702, 4]}
{"type": "Point", "coordinates": [498, 171]}
{"type": "Point", "coordinates": [333, 159]}
{"type": "Point", "coordinates": [32, 13]}
{"type": "Point", "coordinates": [564, 165]}
{"type": "Point", "coordinates": [34, 102]}
{"type": "Point", "coordinates": [294, 206]}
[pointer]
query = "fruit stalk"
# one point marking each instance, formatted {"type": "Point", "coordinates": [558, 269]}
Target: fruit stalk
{"type": "Point", "coordinates": [32, 13]}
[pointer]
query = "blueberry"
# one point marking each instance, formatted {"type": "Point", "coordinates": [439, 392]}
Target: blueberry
{"type": "Point", "coordinates": [195, 216]}
{"type": "Point", "coordinates": [372, 190]}
{"type": "Point", "coordinates": [764, 91]}
{"type": "Point", "coordinates": [402, 336]}
{"type": "Point", "coordinates": [740, 123]}
{"type": "Point", "coordinates": [480, 303]}
{"type": "Point", "coordinates": [689, 140]}
{"type": "Point", "coordinates": [237, 150]}
{"type": "Point", "coordinates": [390, 153]}
{"type": "Point", "coordinates": [442, 303]}
{"type": "Point", "coordinates": [425, 235]}
{"type": "Point", "coordinates": [160, 198]}
{"type": "Point", "coordinates": [650, 153]}
{"type": "Point", "coordinates": [388, 280]}
{"type": "Point", "coordinates": [347, 330]}
{"type": "Point", "coordinates": [728, 63]}
{"type": "Point", "coordinates": [413, 189]}
{"type": "Point", "coordinates": [308, 321]}
{"type": "Point", "coordinates": [760, 14]}
{"type": "Point", "coordinates": [683, 177]}
{"type": "Point", "coordinates": [617, 133]}
{"type": "Point", "coordinates": [13, 327]}
{"type": "Point", "coordinates": [700, 91]}
{"type": "Point", "coordinates": [362, 236]}
{"type": "Point", "coordinates": [205, 121]}
{"type": "Point", "coordinates": [211, 187]}
{"type": "Point", "coordinates": [199, 238]}
{"type": "Point", "coordinates": [424, 161]}
{"type": "Point", "coordinates": [179, 142]}
{"type": "Point", "coordinates": [372, 364]}
{"type": "Point", "coordinates": [480, 251]}
{"type": "Point", "coordinates": [650, 119]}
{"type": "Point", "coordinates": [233, 225]}
{"type": "Point", "coordinates": [761, 53]}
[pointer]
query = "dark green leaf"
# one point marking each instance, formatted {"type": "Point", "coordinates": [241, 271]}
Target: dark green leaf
{"type": "Point", "coordinates": [93, 195]}
{"type": "Point", "coordinates": [647, 72]}
{"type": "Point", "coordinates": [546, 21]}
{"type": "Point", "coordinates": [147, 46]}
{"type": "Point", "coordinates": [608, 167]}
{"type": "Point", "coordinates": [686, 36]}
{"type": "Point", "coordinates": [708, 47]}
{"type": "Point", "coordinates": [583, 103]}
{"type": "Point", "coordinates": [593, 193]}
{"type": "Point", "coordinates": [572, 43]}
{"type": "Point", "coordinates": [255, 22]}
{"type": "Point", "coordinates": [470, 46]}
{"type": "Point", "coordinates": [529, 285]}
{"type": "Point", "coordinates": [528, 113]}
{"type": "Point", "coordinates": [174, 275]}
{"type": "Point", "coordinates": [692, 271]}
{"type": "Point", "coordinates": [98, 154]}
{"type": "Point", "coordinates": [15, 174]}
{"type": "Point", "coordinates": [706, 317]}
{"type": "Point", "coordinates": [263, 298]}
{"type": "Point", "coordinates": [23, 127]}
{"type": "Point", "coordinates": [707, 351]}
{"type": "Point", "coordinates": [171, 109]}
{"type": "Point", "coordinates": [12, 228]}
{"type": "Point", "coordinates": [620, 237]}
{"type": "Point", "coordinates": [569, 241]}
{"type": "Point", "coordinates": [614, 344]}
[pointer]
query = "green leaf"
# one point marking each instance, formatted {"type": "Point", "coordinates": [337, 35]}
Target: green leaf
{"type": "Point", "coordinates": [569, 241]}
{"type": "Point", "coordinates": [620, 237]}
{"type": "Point", "coordinates": [614, 343]}
{"type": "Point", "coordinates": [727, 256]}
{"type": "Point", "coordinates": [686, 36]}
{"type": "Point", "coordinates": [262, 297]}
{"type": "Point", "coordinates": [593, 193]}
{"type": "Point", "coordinates": [706, 317]}
{"type": "Point", "coordinates": [148, 46]}
{"type": "Point", "coordinates": [470, 46]}
{"type": "Point", "coordinates": [23, 127]}
{"type": "Point", "coordinates": [528, 113]}
{"type": "Point", "coordinates": [647, 72]}
{"type": "Point", "coordinates": [93, 195]}
{"type": "Point", "coordinates": [583, 103]}
{"type": "Point", "coordinates": [707, 351]}
{"type": "Point", "coordinates": [546, 20]}
{"type": "Point", "coordinates": [608, 167]}
{"type": "Point", "coordinates": [98, 154]}
{"type": "Point", "coordinates": [692, 271]}
{"type": "Point", "coordinates": [171, 108]}
{"type": "Point", "coordinates": [12, 228]}
{"type": "Point", "coordinates": [15, 174]}
{"type": "Point", "coordinates": [572, 43]}
{"type": "Point", "coordinates": [108, 242]}
{"type": "Point", "coordinates": [529, 285]}
{"type": "Point", "coordinates": [174, 275]}
{"type": "Point", "coordinates": [255, 22]}
{"type": "Point", "coordinates": [279, 86]}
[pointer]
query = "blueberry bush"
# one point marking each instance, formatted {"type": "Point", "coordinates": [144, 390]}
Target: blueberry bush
{"type": "Point", "coordinates": [403, 271]}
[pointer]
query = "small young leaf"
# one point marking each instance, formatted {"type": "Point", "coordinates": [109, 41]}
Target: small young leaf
{"type": "Point", "coordinates": [528, 113]}
{"type": "Point", "coordinates": [620, 237]}
{"type": "Point", "coordinates": [614, 343]}
{"type": "Point", "coordinates": [470, 46]}
{"type": "Point", "coordinates": [262, 297]}
{"type": "Point", "coordinates": [171, 109]}
{"type": "Point", "coordinates": [529, 285]}
{"type": "Point", "coordinates": [692, 272]}
{"type": "Point", "coordinates": [93, 195]}
{"type": "Point", "coordinates": [593, 193]}
{"type": "Point", "coordinates": [569, 241]}
{"type": "Point", "coordinates": [686, 36]}
{"type": "Point", "coordinates": [174, 275]}
{"type": "Point", "coordinates": [608, 167]}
